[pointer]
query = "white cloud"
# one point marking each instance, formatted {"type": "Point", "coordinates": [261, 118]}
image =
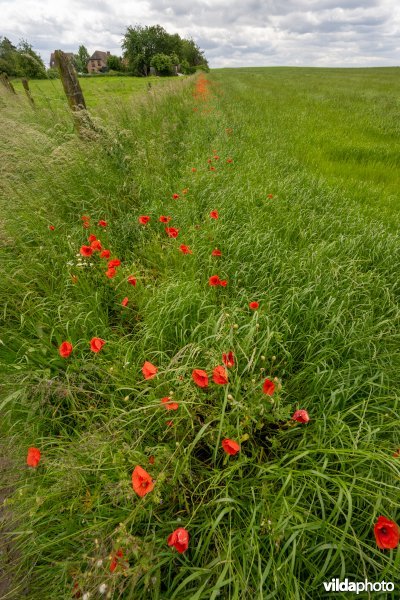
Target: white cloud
{"type": "Point", "coordinates": [232, 32]}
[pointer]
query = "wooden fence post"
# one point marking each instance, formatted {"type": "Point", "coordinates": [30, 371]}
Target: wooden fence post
{"type": "Point", "coordinates": [25, 85]}
{"type": "Point", "coordinates": [82, 121]}
{"type": "Point", "coordinates": [70, 81]}
{"type": "Point", "coordinates": [7, 83]}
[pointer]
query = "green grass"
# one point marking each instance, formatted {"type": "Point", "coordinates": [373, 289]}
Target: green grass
{"type": "Point", "coordinates": [297, 506]}
{"type": "Point", "coordinates": [98, 91]}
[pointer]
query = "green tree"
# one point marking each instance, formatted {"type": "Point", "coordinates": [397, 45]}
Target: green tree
{"type": "Point", "coordinates": [192, 54]}
{"type": "Point", "coordinates": [30, 63]}
{"type": "Point", "coordinates": [162, 63]}
{"type": "Point", "coordinates": [141, 44]}
{"type": "Point", "coordinates": [114, 63]}
{"type": "Point", "coordinates": [9, 58]}
{"type": "Point", "coordinates": [81, 59]}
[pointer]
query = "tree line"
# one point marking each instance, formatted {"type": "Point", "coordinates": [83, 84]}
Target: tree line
{"type": "Point", "coordinates": [142, 47]}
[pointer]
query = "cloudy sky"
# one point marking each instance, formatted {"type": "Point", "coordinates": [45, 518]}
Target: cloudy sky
{"type": "Point", "coordinates": [232, 33]}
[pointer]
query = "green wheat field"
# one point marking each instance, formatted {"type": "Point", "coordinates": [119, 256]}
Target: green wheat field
{"type": "Point", "coordinates": [302, 167]}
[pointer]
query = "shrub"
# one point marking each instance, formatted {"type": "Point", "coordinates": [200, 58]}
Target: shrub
{"type": "Point", "coordinates": [162, 64]}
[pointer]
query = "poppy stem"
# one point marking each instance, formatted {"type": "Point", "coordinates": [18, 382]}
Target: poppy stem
{"type": "Point", "coordinates": [221, 423]}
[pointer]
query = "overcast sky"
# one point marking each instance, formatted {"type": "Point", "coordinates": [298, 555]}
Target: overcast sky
{"type": "Point", "coordinates": [232, 33]}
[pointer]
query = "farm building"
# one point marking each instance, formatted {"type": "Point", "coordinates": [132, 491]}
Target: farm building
{"type": "Point", "coordinates": [98, 61]}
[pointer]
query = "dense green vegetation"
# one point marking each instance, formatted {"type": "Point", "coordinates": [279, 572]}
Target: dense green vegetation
{"type": "Point", "coordinates": [302, 167]}
{"type": "Point", "coordinates": [21, 60]}
{"type": "Point", "coordinates": [102, 92]}
{"type": "Point", "coordinates": [146, 46]}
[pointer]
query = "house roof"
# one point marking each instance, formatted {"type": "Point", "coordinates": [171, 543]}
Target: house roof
{"type": "Point", "coordinates": [99, 55]}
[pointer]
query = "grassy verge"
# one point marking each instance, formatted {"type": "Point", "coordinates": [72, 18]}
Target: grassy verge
{"type": "Point", "coordinates": [297, 505]}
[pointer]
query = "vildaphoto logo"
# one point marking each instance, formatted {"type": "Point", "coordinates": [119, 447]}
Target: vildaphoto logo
{"type": "Point", "coordinates": [335, 585]}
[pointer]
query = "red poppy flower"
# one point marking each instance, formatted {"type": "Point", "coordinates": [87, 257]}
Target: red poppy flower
{"type": "Point", "coordinates": [115, 559]}
{"type": "Point", "coordinates": [33, 457]}
{"type": "Point", "coordinates": [209, 160]}
{"type": "Point", "coordinates": [268, 387]}
{"type": "Point", "coordinates": [214, 280]}
{"type": "Point", "coordinates": [387, 534]}
{"type": "Point", "coordinates": [65, 349]}
{"type": "Point", "coordinates": [216, 252]}
{"type": "Point", "coordinates": [172, 232]}
{"type": "Point", "coordinates": [132, 280]}
{"type": "Point", "coordinates": [96, 245]}
{"type": "Point", "coordinates": [169, 405]}
{"type": "Point", "coordinates": [213, 169]}
{"type": "Point", "coordinates": [92, 238]}
{"type": "Point", "coordinates": [85, 218]}
{"type": "Point", "coordinates": [76, 591]}
{"type": "Point", "coordinates": [216, 157]}
{"type": "Point", "coordinates": [144, 219]}
{"type": "Point", "coordinates": [200, 377]}
{"type": "Point", "coordinates": [220, 375]}
{"type": "Point", "coordinates": [179, 539]}
{"type": "Point", "coordinates": [51, 227]}
{"type": "Point", "coordinates": [105, 254]}
{"type": "Point", "coordinates": [102, 223]}
{"type": "Point", "coordinates": [115, 262]}
{"type": "Point", "coordinates": [164, 219]}
{"type": "Point", "coordinates": [254, 305]}
{"type": "Point", "coordinates": [170, 423]}
{"type": "Point", "coordinates": [214, 214]}
{"type": "Point", "coordinates": [223, 282]}
{"type": "Point", "coordinates": [175, 196]}
{"type": "Point", "coordinates": [96, 344]}
{"type": "Point", "coordinates": [142, 482]}
{"type": "Point", "coordinates": [125, 301]}
{"type": "Point", "coordinates": [230, 446]}
{"type": "Point", "coordinates": [301, 416]}
{"type": "Point", "coordinates": [151, 460]}
{"type": "Point", "coordinates": [396, 454]}
{"type": "Point", "coordinates": [110, 273]}
{"type": "Point", "coordinates": [149, 371]}
{"type": "Point", "coordinates": [229, 160]}
{"type": "Point", "coordinates": [185, 249]}
{"type": "Point", "coordinates": [228, 359]}
{"type": "Point", "coordinates": [194, 170]}
{"type": "Point", "coordinates": [86, 251]}
{"type": "Point", "coordinates": [270, 196]}
{"type": "Point", "coordinates": [86, 224]}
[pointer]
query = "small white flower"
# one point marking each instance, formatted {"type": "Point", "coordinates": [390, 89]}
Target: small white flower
{"type": "Point", "coordinates": [86, 596]}
{"type": "Point", "coordinates": [99, 562]}
{"type": "Point", "coordinates": [102, 588]}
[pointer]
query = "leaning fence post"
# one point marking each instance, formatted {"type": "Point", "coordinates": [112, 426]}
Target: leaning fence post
{"type": "Point", "coordinates": [73, 92]}
{"type": "Point", "coordinates": [7, 83]}
{"type": "Point", "coordinates": [25, 85]}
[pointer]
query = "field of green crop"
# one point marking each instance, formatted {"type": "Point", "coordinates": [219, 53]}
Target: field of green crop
{"type": "Point", "coordinates": [293, 176]}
